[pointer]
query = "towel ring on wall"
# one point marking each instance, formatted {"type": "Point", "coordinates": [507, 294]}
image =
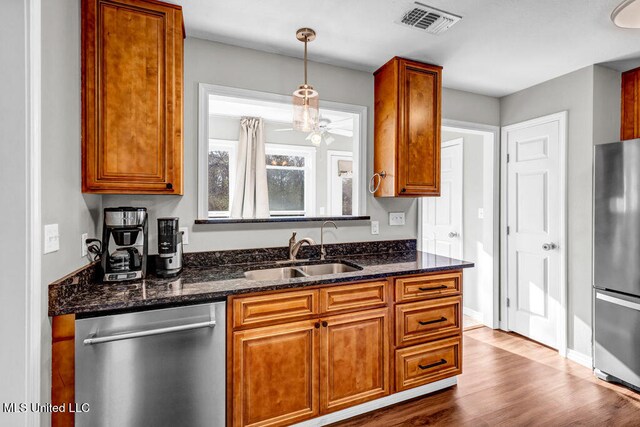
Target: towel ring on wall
{"type": "Point", "coordinates": [373, 187]}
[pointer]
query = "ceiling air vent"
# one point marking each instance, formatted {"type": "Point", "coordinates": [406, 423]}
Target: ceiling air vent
{"type": "Point", "coordinates": [429, 18]}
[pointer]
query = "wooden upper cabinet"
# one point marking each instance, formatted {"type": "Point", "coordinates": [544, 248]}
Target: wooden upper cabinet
{"type": "Point", "coordinates": [407, 128]}
{"type": "Point", "coordinates": [132, 97]}
{"type": "Point", "coordinates": [630, 114]}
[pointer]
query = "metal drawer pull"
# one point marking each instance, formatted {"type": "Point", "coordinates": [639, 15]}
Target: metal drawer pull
{"type": "Point", "coordinates": [99, 340]}
{"type": "Point", "coordinates": [434, 288]}
{"type": "Point", "coordinates": [432, 365]}
{"type": "Point", "coordinates": [429, 322]}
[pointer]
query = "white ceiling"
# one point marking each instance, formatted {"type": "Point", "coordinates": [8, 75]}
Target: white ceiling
{"type": "Point", "coordinates": [499, 47]}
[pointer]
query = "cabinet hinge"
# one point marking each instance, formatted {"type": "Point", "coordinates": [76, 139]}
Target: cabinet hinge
{"type": "Point", "coordinates": [508, 158]}
{"type": "Point", "coordinates": [508, 230]}
{"type": "Point", "coordinates": [508, 302]}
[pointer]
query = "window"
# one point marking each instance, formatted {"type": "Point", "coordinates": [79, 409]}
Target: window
{"type": "Point", "coordinates": [297, 187]}
{"type": "Point", "coordinates": [221, 176]}
{"type": "Point", "coordinates": [290, 179]}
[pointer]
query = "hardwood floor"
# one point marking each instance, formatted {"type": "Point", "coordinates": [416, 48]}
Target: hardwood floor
{"type": "Point", "coordinates": [508, 380]}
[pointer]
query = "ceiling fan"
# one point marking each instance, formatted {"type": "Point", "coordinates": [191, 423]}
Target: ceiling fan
{"type": "Point", "coordinates": [324, 131]}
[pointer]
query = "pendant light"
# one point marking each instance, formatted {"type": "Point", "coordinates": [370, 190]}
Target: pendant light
{"type": "Point", "coordinates": [305, 98]}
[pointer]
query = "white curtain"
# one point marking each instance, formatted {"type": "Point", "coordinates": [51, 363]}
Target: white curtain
{"type": "Point", "coordinates": [251, 198]}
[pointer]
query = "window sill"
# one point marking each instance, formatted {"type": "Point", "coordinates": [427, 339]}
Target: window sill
{"type": "Point", "coordinates": [281, 219]}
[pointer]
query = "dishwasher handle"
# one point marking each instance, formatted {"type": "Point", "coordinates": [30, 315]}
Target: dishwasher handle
{"type": "Point", "coordinates": [91, 340]}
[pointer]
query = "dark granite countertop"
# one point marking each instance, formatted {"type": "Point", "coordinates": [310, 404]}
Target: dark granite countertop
{"type": "Point", "coordinates": [201, 284]}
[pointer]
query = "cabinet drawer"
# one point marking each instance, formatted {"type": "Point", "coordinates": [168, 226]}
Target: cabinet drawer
{"type": "Point", "coordinates": [358, 296]}
{"type": "Point", "coordinates": [422, 364]}
{"type": "Point", "coordinates": [425, 320]}
{"type": "Point", "coordinates": [430, 286]}
{"type": "Point", "coordinates": [273, 308]}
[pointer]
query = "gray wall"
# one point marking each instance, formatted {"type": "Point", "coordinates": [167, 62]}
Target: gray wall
{"type": "Point", "coordinates": [14, 233]}
{"type": "Point", "coordinates": [62, 200]}
{"type": "Point", "coordinates": [470, 107]}
{"type": "Point", "coordinates": [215, 63]}
{"type": "Point", "coordinates": [588, 122]}
{"type": "Point", "coordinates": [606, 105]}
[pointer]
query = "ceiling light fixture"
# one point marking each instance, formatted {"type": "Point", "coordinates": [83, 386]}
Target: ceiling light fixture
{"type": "Point", "coordinates": [316, 138]}
{"type": "Point", "coordinates": [627, 14]}
{"type": "Point", "coordinates": [305, 98]}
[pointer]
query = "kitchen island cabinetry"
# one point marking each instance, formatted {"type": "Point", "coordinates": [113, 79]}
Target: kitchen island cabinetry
{"type": "Point", "coordinates": [361, 342]}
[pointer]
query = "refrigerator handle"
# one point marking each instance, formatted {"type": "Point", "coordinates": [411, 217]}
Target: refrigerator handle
{"type": "Point", "coordinates": [618, 301]}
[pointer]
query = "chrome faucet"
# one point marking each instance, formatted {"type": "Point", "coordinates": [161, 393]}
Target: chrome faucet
{"type": "Point", "coordinates": [294, 246]}
{"type": "Point", "coordinates": [323, 252]}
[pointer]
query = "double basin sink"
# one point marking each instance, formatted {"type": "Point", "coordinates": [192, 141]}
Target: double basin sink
{"type": "Point", "coordinates": [293, 271]}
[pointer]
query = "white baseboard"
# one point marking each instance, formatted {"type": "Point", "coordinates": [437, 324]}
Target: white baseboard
{"type": "Point", "coordinates": [378, 403]}
{"type": "Point", "coordinates": [580, 358]}
{"type": "Point", "coordinates": [475, 315]}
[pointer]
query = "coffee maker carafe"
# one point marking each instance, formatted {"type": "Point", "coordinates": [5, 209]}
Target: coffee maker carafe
{"type": "Point", "coordinates": [169, 259]}
{"type": "Point", "coordinates": [124, 240]}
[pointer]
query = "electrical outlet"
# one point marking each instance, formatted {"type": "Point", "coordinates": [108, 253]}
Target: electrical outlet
{"type": "Point", "coordinates": [480, 213]}
{"type": "Point", "coordinates": [83, 244]}
{"type": "Point", "coordinates": [51, 238]}
{"type": "Point", "coordinates": [185, 235]}
{"type": "Point", "coordinates": [375, 227]}
{"type": "Point", "coordinates": [396, 218]}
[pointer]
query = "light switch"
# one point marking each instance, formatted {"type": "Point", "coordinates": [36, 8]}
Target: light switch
{"type": "Point", "coordinates": [51, 238]}
{"type": "Point", "coordinates": [480, 213]}
{"type": "Point", "coordinates": [396, 218]}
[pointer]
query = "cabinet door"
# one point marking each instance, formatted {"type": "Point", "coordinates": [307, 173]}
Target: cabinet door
{"type": "Point", "coordinates": [275, 374]}
{"type": "Point", "coordinates": [354, 359]}
{"type": "Point", "coordinates": [630, 120]}
{"type": "Point", "coordinates": [419, 136]}
{"type": "Point", "coordinates": [132, 97]}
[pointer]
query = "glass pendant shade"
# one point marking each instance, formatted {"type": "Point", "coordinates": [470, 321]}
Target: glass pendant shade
{"type": "Point", "coordinates": [305, 109]}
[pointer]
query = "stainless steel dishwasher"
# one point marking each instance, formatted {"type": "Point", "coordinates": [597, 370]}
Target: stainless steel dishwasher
{"type": "Point", "coordinates": [154, 368]}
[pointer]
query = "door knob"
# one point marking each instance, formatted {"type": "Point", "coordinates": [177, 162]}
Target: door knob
{"type": "Point", "coordinates": [453, 234]}
{"type": "Point", "coordinates": [549, 246]}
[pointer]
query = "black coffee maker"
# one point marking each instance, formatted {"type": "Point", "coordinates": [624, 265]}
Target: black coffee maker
{"type": "Point", "coordinates": [169, 259]}
{"type": "Point", "coordinates": [125, 242]}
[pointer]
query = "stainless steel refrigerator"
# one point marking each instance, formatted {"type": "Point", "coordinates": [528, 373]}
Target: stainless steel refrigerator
{"type": "Point", "coordinates": [616, 262]}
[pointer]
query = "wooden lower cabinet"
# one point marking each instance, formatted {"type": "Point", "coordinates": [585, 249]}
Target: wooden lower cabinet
{"type": "Point", "coordinates": [422, 364]}
{"type": "Point", "coordinates": [428, 320]}
{"type": "Point", "coordinates": [275, 374]}
{"type": "Point", "coordinates": [63, 368]}
{"type": "Point", "coordinates": [288, 373]}
{"type": "Point", "coordinates": [354, 359]}
{"type": "Point", "coordinates": [351, 347]}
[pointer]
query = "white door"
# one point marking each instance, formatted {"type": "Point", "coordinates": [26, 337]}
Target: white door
{"type": "Point", "coordinates": [534, 228]}
{"type": "Point", "coordinates": [442, 216]}
{"type": "Point", "coordinates": [340, 185]}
